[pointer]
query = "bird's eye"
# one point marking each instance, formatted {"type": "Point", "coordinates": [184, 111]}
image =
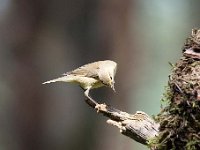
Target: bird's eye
{"type": "Point", "coordinates": [111, 78]}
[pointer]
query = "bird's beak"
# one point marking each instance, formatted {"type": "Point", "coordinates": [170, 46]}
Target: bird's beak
{"type": "Point", "coordinates": [112, 85]}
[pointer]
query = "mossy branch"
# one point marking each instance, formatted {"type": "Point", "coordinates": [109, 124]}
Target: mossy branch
{"type": "Point", "coordinates": [138, 126]}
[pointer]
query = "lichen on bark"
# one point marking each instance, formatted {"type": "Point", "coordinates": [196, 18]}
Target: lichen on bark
{"type": "Point", "coordinates": [180, 118]}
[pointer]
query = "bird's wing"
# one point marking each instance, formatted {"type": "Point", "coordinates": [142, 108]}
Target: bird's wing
{"type": "Point", "coordinates": [88, 70]}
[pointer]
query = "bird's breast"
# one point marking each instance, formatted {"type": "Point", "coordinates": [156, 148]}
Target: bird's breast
{"type": "Point", "coordinates": [86, 82]}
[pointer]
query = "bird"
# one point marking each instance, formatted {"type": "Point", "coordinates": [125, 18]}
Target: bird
{"type": "Point", "coordinates": [91, 76]}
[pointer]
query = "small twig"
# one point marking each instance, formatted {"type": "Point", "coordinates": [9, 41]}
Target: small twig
{"type": "Point", "coordinates": [138, 126]}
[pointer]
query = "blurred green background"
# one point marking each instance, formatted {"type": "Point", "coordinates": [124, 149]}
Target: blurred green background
{"type": "Point", "coordinates": [39, 40]}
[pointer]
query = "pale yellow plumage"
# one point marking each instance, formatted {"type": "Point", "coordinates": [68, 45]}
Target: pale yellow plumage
{"type": "Point", "coordinates": [89, 76]}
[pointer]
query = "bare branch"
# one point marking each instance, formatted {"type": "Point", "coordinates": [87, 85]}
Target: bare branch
{"type": "Point", "coordinates": [138, 126]}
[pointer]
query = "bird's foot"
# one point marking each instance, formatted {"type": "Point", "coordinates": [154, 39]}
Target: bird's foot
{"type": "Point", "coordinates": [92, 100]}
{"type": "Point", "coordinates": [86, 93]}
{"type": "Point", "coordinates": [100, 107]}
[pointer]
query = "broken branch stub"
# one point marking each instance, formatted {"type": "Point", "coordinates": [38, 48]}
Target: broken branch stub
{"type": "Point", "coordinates": [138, 126]}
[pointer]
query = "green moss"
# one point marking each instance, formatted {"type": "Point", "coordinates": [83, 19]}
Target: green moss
{"type": "Point", "coordinates": [179, 117]}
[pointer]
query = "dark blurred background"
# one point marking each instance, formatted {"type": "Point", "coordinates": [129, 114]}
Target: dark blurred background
{"type": "Point", "coordinates": [39, 40]}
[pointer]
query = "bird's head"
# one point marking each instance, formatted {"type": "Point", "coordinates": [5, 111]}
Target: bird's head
{"type": "Point", "coordinates": [107, 73]}
{"type": "Point", "coordinates": [111, 74]}
{"type": "Point", "coordinates": [109, 81]}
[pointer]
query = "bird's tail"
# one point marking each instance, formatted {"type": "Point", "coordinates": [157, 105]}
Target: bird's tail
{"type": "Point", "coordinates": [61, 79]}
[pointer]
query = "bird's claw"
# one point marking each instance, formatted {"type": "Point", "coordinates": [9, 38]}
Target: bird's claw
{"type": "Point", "coordinates": [100, 107]}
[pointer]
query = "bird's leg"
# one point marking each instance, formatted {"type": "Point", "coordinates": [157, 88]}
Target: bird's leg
{"type": "Point", "coordinates": [86, 93]}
